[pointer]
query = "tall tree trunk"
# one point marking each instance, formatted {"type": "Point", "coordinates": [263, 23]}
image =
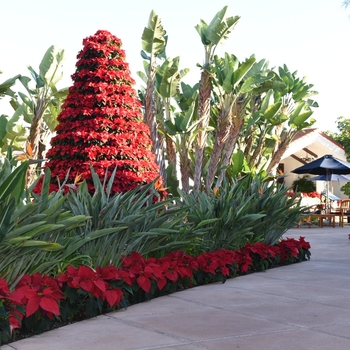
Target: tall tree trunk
{"type": "Point", "coordinates": [279, 150]}
{"type": "Point", "coordinates": [254, 159]}
{"type": "Point", "coordinates": [170, 146]}
{"type": "Point", "coordinates": [221, 136]}
{"type": "Point", "coordinates": [171, 152]}
{"type": "Point", "coordinates": [204, 116]}
{"type": "Point", "coordinates": [150, 120]}
{"type": "Point", "coordinates": [236, 127]}
{"type": "Point", "coordinates": [185, 171]}
{"type": "Point", "coordinates": [249, 141]}
{"type": "Point", "coordinates": [34, 138]}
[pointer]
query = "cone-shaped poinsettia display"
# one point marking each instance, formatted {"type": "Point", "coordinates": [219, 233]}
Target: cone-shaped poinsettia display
{"type": "Point", "coordinates": [101, 122]}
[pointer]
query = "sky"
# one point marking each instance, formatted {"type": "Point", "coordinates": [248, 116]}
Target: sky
{"type": "Point", "coordinates": [309, 36]}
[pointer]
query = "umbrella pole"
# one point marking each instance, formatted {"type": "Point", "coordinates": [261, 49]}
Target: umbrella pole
{"type": "Point", "coordinates": [328, 207]}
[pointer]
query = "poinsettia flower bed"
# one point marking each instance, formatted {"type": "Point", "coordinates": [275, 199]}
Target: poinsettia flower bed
{"type": "Point", "coordinates": [313, 194]}
{"type": "Point", "coordinates": [39, 303]}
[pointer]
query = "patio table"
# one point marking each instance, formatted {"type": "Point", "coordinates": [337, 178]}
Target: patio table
{"type": "Point", "coordinates": [330, 217]}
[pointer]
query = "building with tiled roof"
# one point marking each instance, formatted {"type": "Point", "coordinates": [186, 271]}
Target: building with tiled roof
{"type": "Point", "coordinates": [309, 145]}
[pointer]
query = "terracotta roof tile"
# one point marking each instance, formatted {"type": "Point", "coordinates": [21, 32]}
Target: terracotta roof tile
{"type": "Point", "coordinates": [308, 132]}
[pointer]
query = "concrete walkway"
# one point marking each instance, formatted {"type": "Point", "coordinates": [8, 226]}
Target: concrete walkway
{"type": "Point", "coordinates": [300, 306]}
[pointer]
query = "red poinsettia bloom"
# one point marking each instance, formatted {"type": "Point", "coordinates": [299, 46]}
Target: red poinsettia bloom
{"type": "Point", "coordinates": [40, 293]}
{"type": "Point", "coordinates": [261, 249]}
{"type": "Point", "coordinates": [4, 288]}
{"type": "Point", "coordinates": [47, 299]}
{"type": "Point", "coordinates": [113, 296]}
{"type": "Point", "coordinates": [12, 300]}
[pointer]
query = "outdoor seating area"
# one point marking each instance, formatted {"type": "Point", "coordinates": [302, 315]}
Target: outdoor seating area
{"type": "Point", "coordinates": [319, 218]}
{"type": "Point", "coordinates": [328, 217]}
{"type": "Point", "coordinates": [328, 168]}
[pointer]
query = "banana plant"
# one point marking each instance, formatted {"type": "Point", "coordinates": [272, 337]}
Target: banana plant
{"type": "Point", "coordinates": [12, 133]}
{"type": "Point", "coordinates": [5, 87]}
{"type": "Point", "coordinates": [167, 83]}
{"type": "Point", "coordinates": [183, 131]}
{"type": "Point", "coordinates": [258, 128]}
{"type": "Point", "coordinates": [229, 74]}
{"type": "Point", "coordinates": [235, 87]}
{"type": "Point", "coordinates": [278, 109]}
{"type": "Point", "coordinates": [154, 40]}
{"type": "Point", "coordinates": [261, 126]}
{"type": "Point", "coordinates": [41, 104]}
{"type": "Point", "coordinates": [212, 35]}
{"type": "Point", "coordinates": [298, 107]}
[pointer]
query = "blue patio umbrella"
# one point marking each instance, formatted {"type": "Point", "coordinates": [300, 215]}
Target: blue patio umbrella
{"type": "Point", "coordinates": [327, 166]}
{"type": "Point", "coordinates": [331, 177]}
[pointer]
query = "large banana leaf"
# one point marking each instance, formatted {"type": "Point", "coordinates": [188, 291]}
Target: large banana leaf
{"type": "Point", "coordinates": [5, 87]}
{"type": "Point", "coordinates": [168, 77]}
{"type": "Point", "coordinates": [218, 29]}
{"type": "Point", "coordinates": [49, 67]}
{"type": "Point", "coordinates": [154, 36]}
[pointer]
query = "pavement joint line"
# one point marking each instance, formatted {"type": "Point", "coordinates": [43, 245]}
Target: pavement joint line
{"type": "Point", "coordinates": [143, 327]}
{"type": "Point", "coordinates": [329, 333]}
{"type": "Point", "coordinates": [173, 346]}
{"type": "Point", "coordinates": [250, 334]}
{"type": "Point", "coordinates": [137, 325]}
{"type": "Point", "coordinates": [222, 308]}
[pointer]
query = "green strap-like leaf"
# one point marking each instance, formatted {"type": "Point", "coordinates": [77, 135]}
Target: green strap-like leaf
{"type": "Point", "coordinates": [37, 231]}
{"type": "Point", "coordinates": [5, 218]}
{"type": "Point", "coordinates": [13, 186]}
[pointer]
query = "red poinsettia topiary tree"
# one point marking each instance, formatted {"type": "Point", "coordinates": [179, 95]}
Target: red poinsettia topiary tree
{"type": "Point", "coordinates": [101, 122]}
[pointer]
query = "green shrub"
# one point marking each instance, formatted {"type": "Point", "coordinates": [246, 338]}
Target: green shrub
{"type": "Point", "coordinates": [304, 185]}
{"type": "Point", "coordinates": [226, 219]}
{"type": "Point", "coordinates": [248, 210]}
{"type": "Point", "coordinates": [32, 232]}
{"type": "Point", "coordinates": [281, 212]}
{"type": "Point", "coordinates": [125, 222]}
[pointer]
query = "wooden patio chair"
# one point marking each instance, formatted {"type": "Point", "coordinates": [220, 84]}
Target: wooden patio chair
{"type": "Point", "coordinates": [345, 208]}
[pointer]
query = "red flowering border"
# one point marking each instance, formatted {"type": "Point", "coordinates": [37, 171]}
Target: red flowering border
{"type": "Point", "coordinates": [82, 292]}
{"type": "Point", "coordinates": [313, 194]}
